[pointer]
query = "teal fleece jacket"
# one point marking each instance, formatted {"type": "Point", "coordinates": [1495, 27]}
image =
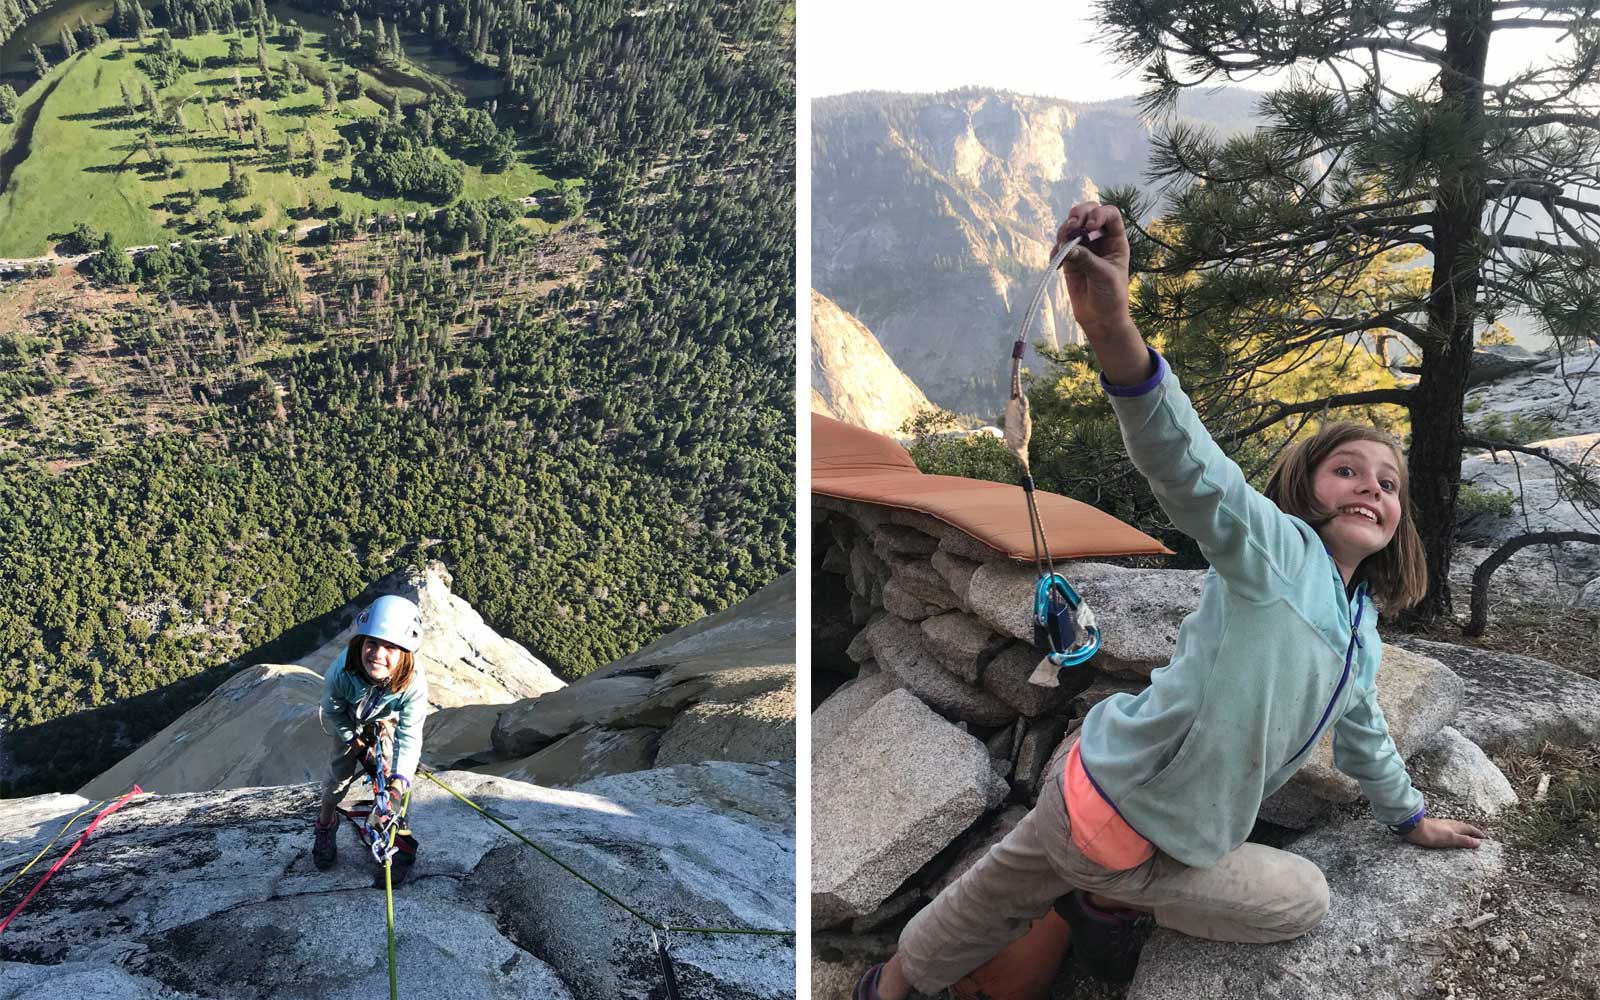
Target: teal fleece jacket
{"type": "Point", "coordinates": [350, 702]}
{"type": "Point", "coordinates": [1274, 654]}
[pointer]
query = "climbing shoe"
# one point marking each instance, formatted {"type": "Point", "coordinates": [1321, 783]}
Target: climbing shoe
{"type": "Point", "coordinates": [1105, 943]}
{"type": "Point", "coordinates": [326, 847]}
{"type": "Point", "coordinates": [867, 988]}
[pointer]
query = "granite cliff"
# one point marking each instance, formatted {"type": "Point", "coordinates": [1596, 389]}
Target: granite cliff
{"type": "Point", "coordinates": [932, 216]}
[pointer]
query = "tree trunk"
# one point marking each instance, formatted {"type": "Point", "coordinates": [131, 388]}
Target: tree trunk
{"type": "Point", "coordinates": [1436, 409]}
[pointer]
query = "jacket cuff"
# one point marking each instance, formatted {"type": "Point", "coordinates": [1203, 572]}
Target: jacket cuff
{"type": "Point", "coordinates": [1410, 823]}
{"type": "Point", "coordinates": [1143, 387]}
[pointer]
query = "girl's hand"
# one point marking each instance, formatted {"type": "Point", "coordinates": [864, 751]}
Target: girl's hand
{"type": "Point", "coordinates": [1446, 833]}
{"type": "Point", "coordinates": [1097, 272]}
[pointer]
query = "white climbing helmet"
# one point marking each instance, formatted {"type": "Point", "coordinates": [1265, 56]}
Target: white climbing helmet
{"type": "Point", "coordinates": [394, 620]}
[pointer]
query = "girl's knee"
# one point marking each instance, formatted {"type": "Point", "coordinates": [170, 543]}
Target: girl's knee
{"type": "Point", "coordinates": [1306, 904]}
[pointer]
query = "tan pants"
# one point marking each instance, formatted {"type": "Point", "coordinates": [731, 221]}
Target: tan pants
{"type": "Point", "coordinates": [1255, 894]}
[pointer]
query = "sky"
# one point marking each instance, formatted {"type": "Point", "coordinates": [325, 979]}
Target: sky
{"type": "Point", "coordinates": [1025, 46]}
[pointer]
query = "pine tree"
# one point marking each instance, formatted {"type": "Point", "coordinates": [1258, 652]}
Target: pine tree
{"type": "Point", "coordinates": [127, 99]}
{"type": "Point", "coordinates": [8, 103]}
{"type": "Point", "coordinates": [330, 95]}
{"type": "Point", "coordinates": [40, 63]}
{"type": "Point", "coordinates": [69, 45]}
{"type": "Point", "coordinates": [1286, 231]}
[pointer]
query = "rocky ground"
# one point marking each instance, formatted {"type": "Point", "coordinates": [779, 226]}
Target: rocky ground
{"type": "Point", "coordinates": [214, 895]}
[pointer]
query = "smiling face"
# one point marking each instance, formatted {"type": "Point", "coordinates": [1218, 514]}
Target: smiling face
{"type": "Point", "coordinates": [1360, 483]}
{"type": "Point", "coordinates": [379, 659]}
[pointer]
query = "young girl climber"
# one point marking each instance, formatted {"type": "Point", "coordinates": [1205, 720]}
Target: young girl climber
{"type": "Point", "coordinates": [1150, 809]}
{"type": "Point", "coordinates": [372, 688]}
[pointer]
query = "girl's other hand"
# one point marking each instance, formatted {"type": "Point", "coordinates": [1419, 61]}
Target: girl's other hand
{"type": "Point", "coordinates": [1446, 833]}
{"type": "Point", "coordinates": [1097, 272]}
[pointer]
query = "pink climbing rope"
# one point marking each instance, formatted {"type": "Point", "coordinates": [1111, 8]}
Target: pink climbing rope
{"type": "Point", "coordinates": [107, 811]}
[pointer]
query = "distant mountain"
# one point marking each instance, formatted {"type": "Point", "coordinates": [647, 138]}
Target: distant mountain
{"type": "Point", "coordinates": [852, 377]}
{"type": "Point", "coordinates": [932, 216]}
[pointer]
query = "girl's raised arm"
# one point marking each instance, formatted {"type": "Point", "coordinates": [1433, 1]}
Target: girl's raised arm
{"type": "Point", "coordinates": [1252, 544]}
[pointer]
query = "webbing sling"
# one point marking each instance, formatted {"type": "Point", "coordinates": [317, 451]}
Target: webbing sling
{"type": "Point", "coordinates": [1055, 600]}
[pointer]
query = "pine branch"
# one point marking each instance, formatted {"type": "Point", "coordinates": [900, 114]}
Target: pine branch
{"type": "Point", "coordinates": [1400, 397]}
{"type": "Point", "coordinates": [1481, 575]}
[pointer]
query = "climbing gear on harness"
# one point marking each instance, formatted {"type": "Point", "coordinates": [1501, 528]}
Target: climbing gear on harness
{"type": "Point", "coordinates": [1059, 614]}
{"type": "Point", "coordinates": [393, 619]}
{"type": "Point", "coordinates": [107, 811]}
{"type": "Point", "coordinates": [1063, 624]}
{"type": "Point", "coordinates": [382, 825]}
{"type": "Point", "coordinates": [667, 973]}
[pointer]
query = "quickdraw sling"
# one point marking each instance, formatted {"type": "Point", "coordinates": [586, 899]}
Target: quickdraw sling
{"type": "Point", "coordinates": [1062, 623]}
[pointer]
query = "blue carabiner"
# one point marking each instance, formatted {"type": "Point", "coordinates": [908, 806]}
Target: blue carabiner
{"type": "Point", "coordinates": [1045, 608]}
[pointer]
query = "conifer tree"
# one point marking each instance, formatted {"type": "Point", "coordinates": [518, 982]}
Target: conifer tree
{"type": "Point", "coordinates": [1282, 231]}
{"type": "Point", "coordinates": [40, 63]}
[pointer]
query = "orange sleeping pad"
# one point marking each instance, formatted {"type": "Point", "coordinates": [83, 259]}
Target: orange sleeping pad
{"type": "Point", "coordinates": [850, 463]}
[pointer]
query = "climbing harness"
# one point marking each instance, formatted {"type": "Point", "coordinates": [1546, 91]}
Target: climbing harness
{"type": "Point", "coordinates": [1063, 624]}
{"type": "Point", "coordinates": [107, 811]}
{"type": "Point", "coordinates": [660, 934]}
{"type": "Point", "coordinates": [382, 829]}
{"type": "Point", "coordinates": [379, 824]}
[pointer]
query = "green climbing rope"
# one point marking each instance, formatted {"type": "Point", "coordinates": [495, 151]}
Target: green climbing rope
{"type": "Point", "coordinates": [388, 891]}
{"type": "Point", "coordinates": [580, 877]}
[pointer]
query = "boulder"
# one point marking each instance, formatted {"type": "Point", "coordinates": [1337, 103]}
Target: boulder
{"type": "Point", "coordinates": [1374, 941]}
{"type": "Point", "coordinates": [460, 737]}
{"type": "Point", "coordinates": [917, 577]}
{"type": "Point", "coordinates": [845, 705]}
{"type": "Point", "coordinates": [534, 723]}
{"type": "Point", "coordinates": [1517, 703]}
{"type": "Point", "coordinates": [957, 573]}
{"type": "Point", "coordinates": [887, 795]}
{"type": "Point", "coordinates": [951, 539]}
{"type": "Point", "coordinates": [681, 687]}
{"type": "Point", "coordinates": [754, 729]}
{"type": "Point", "coordinates": [890, 540]}
{"type": "Point", "coordinates": [1138, 610]}
{"type": "Point", "coordinates": [1006, 677]}
{"type": "Point", "coordinates": [900, 648]}
{"type": "Point", "coordinates": [589, 753]}
{"type": "Point", "coordinates": [1038, 744]}
{"type": "Point", "coordinates": [484, 916]}
{"type": "Point", "coordinates": [1491, 362]}
{"type": "Point", "coordinates": [901, 603]}
{"type": "Point", "coordinates": [1459, 768]}
{"type": "Point", "coordinates": [963, 644]}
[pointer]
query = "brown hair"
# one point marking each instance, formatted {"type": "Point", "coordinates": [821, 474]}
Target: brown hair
{"type": "Point", "coordinates": [1398, 573]}
{"type": "Point", "coordinates": [399, 678]}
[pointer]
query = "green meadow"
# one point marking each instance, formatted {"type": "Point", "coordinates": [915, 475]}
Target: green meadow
{"type": "Point", "coordinates": [87, 160]}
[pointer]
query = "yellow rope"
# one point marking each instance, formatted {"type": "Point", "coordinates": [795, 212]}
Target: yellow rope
{"type": "Point", "coordinates": [52, 843]}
